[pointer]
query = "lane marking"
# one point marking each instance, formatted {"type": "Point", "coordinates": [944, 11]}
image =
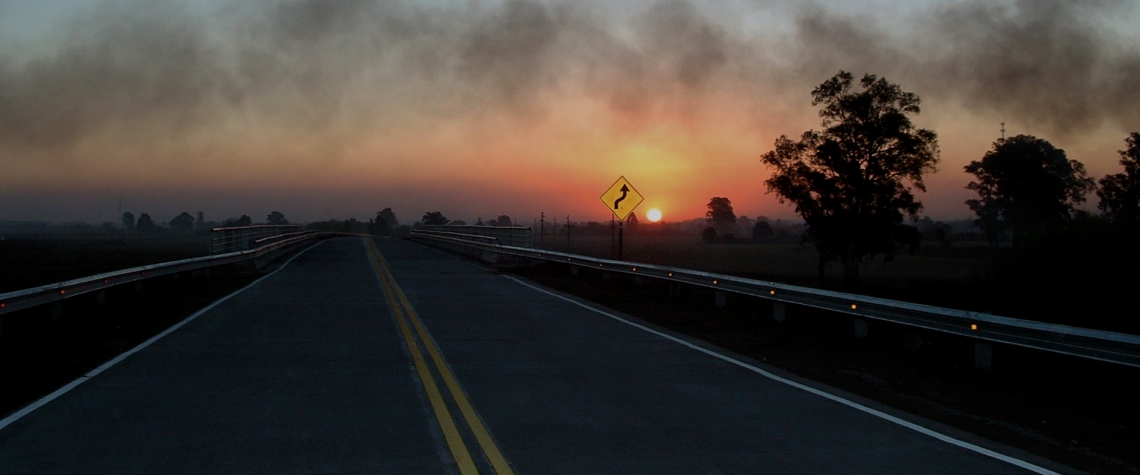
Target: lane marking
{"type": "Point", "coordinates": [442, 415]}
{"type": "Point", "coordinates": [69, 386]}
{"type": "Point", "coordinates": [486, 442]}
{"type": "Point", "coordinates": [854, 405]}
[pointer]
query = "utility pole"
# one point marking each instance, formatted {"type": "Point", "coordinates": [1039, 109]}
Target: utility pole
{"type": "Point", "coordinates": [541, 227]}
{"type": "Point", "coordinates": [568, 226]}
{"type": "Point", "coordinates": [613, 238]}
{"type": "Point", "coordinates": [621, 238]}
{"type": "Point", "coordinates": [1003, 131]}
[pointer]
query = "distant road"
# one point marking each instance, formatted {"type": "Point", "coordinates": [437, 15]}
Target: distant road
{"type": "Point", "coordinates": [389, 357]}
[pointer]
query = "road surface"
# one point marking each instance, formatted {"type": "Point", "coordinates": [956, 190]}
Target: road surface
{"type": "Point", "coordinates": [384, 356]}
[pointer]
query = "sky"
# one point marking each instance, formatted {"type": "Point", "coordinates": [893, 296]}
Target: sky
{"type": "Point", "coordinates": [337, 109]}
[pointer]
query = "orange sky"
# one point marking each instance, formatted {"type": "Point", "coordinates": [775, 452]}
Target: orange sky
{"type": "Point", "coordinates": [329, 111]}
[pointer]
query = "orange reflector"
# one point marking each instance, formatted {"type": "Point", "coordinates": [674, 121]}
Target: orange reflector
{"type": "Point", "coordinates": [2, 305]}
{"type": "Point", "coordinates": [144, 272]}
{"type": "Point", "coordinates": [105, 281]}
{"type": "Point", "coordinates": [973, 326]}
{"type": "Point", "coordinates": [61, 291]}
{"type": "Point", "coordinates": [670, 274]}
{"type": "Point", "coordinates": [853, 307]}
{"type": "Point", "coordinates": [773, 292]}
{"type": "Point", "coordinates": [714, 281]}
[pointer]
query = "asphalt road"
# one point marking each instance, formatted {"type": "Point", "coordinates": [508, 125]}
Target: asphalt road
{"type": "Point", "coordinates": [389, 357]}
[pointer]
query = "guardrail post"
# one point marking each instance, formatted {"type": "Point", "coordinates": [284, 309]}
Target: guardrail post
{"type": "Point", "coordinates": [56, 310]}
{"type": "Point", "coordinates": [983, 356]}
{"type": "Point", "coordinates": [861, 329]}
{"type": "Point", "coordinates": [101, 297]}
{"type": "Point", "coordinates": [573, 270]}
{"type": "Point", "coordinates": [638, 281]}
{"type": "Point", "coordinates": [674, 289]}
{"type": "Point", "coordinates": [721, 299]}
{"type": "Point", "coordinates": [779, 312]}
{"type": "Point", "coordinates": [138, 286]}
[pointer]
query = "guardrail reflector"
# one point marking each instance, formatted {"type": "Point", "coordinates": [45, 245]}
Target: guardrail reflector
{"type": "Point", "coordinates": [973, 326]}
{"type": "Point", "coordinates": [773, 292]}
{"type": "Point", "coordinates": [635, 269]}
{"type": "Point", "coordinates": [670, 274]}
{"type": "Point", "coordinates": [714, 282]}
{"type": "Point", "coordinates": [854, 307]}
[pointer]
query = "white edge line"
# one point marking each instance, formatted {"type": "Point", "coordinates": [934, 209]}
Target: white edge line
{"type": "Point", "coordinates": [909, 425]}
{"type": "Point", "coordinates": [69, 386]}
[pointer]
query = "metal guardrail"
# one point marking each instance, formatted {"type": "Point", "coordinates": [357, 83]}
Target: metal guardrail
{"type": "Point", "coordinates": [44, 294]}
{"type": "Point", "coordinates": [518, 236]}
{"type": "Point", "coordinates": [244, 238]}
{"type": "Point", "coordinates": [1075, 341]}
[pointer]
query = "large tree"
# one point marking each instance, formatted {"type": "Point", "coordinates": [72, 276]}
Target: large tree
{"type": "Point", "coordinates": [721, 215]}
{"type": "Point", "coordinates": [276, 218]}
{"type": "Point", "coordinates": [1119, 193]}
{"type": "Point", "coordinates": [1025, 183]}
{"type": "Point", "coordinates": [434, 218]}
{"type": "Point", "coordinates": [853, 182]}
{"type": "Point", "coordinates": [183, 222]}
{"type": "Point", "coordinates": [129, 221]}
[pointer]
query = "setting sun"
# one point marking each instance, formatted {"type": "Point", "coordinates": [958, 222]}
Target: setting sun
{"type": "Point", "coordinates": [654, 215]}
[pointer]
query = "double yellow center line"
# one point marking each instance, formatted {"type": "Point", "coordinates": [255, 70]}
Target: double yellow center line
{"type": "Point", "coordinates": [404, 313]}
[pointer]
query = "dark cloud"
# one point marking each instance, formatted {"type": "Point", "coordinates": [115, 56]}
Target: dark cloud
{"type": "Point", "coordinates": [1050, 63]}
{"type": "Point", "coordinates": [312, 66]}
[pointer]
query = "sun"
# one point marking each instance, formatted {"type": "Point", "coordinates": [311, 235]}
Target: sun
{"type": "Point", "coordinates": [654, 215]}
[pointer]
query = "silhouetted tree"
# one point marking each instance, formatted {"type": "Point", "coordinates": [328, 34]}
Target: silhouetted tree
{"type": "Point", "coordinates": [145, 224]}
{"type": "Point", "coordinates": [235, 222]}
{"type": "Point", "coordinates": [183, 222]}
{"type": "Point", "coordinates": [479, 222]}
{"type": "Point", "coordinates": [709, 234]}
{"type": "Point", "coordinates": [379, 226]}
{"type": "Point", "coordinates": [849, 182]}
{"type": "Point", "coordinates": [503, 220]}
{"type": "Point", "coordinates": [1119, 193]}
{"type": "Point", "coordinates": [720, 214]}
{"type": "Point", "coordinates": [762, 230]}
{"type": "Point", "coordinates": [631, 224]}
{"type": "Point", "coordinates": [128, 221]}
{"type": "Point", "coordinates": [387, 215]}
{"type": "Point", "coordinates": [434, 218]}
{"type": "Point", "coordinates": [201, 221]}
{"type": "Point", "coordinates": [1025, 184]}
{"type": "Point", "coordinates": [276, 218]}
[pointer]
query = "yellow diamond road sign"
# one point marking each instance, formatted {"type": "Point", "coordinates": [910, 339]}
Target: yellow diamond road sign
{"type": "Point", "coordinates": [621, 198]}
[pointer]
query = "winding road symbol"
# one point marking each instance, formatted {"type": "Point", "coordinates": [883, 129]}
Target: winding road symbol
{"type": "Point", "coordinates": [624, 191]}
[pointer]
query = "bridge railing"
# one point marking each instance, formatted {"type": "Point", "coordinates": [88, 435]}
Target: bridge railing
{"type": "Point", "coordinates": [244, 238]}
{"type": "Point", "coordinates": [44, 294]}
{"type": "Point", "coordinates": [518, 236]}
{"type": "Point", "coordinates": [982, 327]}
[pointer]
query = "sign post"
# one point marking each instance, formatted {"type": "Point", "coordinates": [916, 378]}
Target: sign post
{"type": "Point", "coordinates": [621, 198]}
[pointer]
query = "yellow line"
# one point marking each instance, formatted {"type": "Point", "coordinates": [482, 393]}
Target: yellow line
{"type": "Point", "coordinates": [443, 416]}
{"type": "Point", "coordinates": [498, 462]}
